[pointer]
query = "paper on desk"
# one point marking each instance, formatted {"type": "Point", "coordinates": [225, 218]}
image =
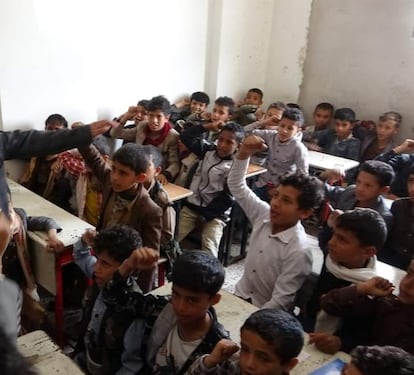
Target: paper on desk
{"type": "Point", "coordinates": [303, 356]}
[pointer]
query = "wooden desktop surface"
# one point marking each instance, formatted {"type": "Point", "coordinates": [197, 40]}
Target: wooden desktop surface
{"type": "Point", "coordinates": [176, 192]}
{"type": "Point", "coordinates": [321, 160]}
{"type": "Point", "coordinates": [39, 349]}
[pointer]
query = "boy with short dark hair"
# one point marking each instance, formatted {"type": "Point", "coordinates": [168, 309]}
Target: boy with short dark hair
{"type": "Point", "coordinates": [211, 200]}
{"type": "Point", "coordinates": [286, 153]}
{"type": "Point", "coordinates": [124, 198]}
{"type": "Point", "coordinates": [39, 176]}
{"type": "Point", "coordinates": [400, 245]}
{"type": "Point", "coordinates": [156, 131]}
{"type": "Point", "coordinates": [185, 109]}
{"type": "Point", "coordinates": [357, 236]}
{"type": "Point", "coordinates": [246, 111]}
{"type": "Point", "coordinates": [379, 360]}
{"type": "Point", "coordinates": [389, 316]}
{"type": "Point", "coordinates": [380, 139]}
{"type": "Point", "coordinates": [270, 342]}
{"type": "Point", "coordinates": [109, 332]}
{"type": "Point", "coordinates": [322, 118]}
{"type": "Point", "coordinates": [169, 246]}
{"type": "Point", "coordinates": [373, 181]}
{"type": "Point", "coordinates": [187, 327]}
{"type": "Point", "coordinates": [278, 259]}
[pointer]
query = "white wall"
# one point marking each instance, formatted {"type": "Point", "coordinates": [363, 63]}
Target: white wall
{"type": "Point", "coordinates": [361, 55]}
{"type": "Point", "coordinates": [91, 59]}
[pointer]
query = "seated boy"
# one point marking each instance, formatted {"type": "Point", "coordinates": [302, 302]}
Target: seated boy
{"type": "Point", "coordinates": [183, 110]}
{"type": "Point", "coordinates": [211, 200]}
{"type": "Point", "coordinates": [156, 131]}
{"type": "Point", "coordinates": [136, 113]}
{"type": "Point", "coordinates": [109, 333]}
{"type": "Point", "coordinates": [278, 259]}
{"type": "Point", "coordinates": [399, 249]}
{"type": "Point", "coordinates": [381, 139]}
{"type": "Point", "coordinates": [322, 118]}
{"type": "Point", "coordinates": [340, 141]}
{"type": "Point", "coordinates": [39, 176]}
{"type": "Point", "coordinates": [246, 111]}
{"type": "Point", "coordinates": [270, 342]}
{"type": "Point", "coordinates": [391, 317]}
{"type": "Point", "coordinates": [379, 360]}
{"type": "Point", "coordinates": [286, 152]}
{"type": "Point", "coordinates": [373, 181]}
{"type": "Point", "coordinates": [187, 327]}
{"type": "Point", "coordinates": [400, 158]}
{"type": "Point", "coordinates": [357, 236]}
{"type": "Point", "coordinates": [169, 247]}
{"type": "Point", "coordinates": [124, 198]}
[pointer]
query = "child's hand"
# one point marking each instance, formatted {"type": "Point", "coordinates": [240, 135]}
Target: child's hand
{"type": "Point", "coordinates": [332, 217]}
{"type": "Point", "coordinates": [377, 287]}
{"type": "Point", "coordinates": [182, 103]}
{"type": "Point", "coordinates": [205, 116]}
{"type": "Point", "coordinates": [313, 146]}
{"type": "Point", "coordinates": [332, 175]}
{"type": "Point", "coordinates": [259, 114]}
{"type": "Point", "coordinates": [223, 350]}
{"type": "Point", "coordinates": [100, 127]}
{"type": "Point", "coordinates": [407, 147]}
{"type": "Point", "coordinates": [325, 342]}
{"type": "Point", "coordinates": [54, 245]}
{"type": "Point", "coordinates": [214, 126]}
{"type": "Point", "coordinates": [89, 236]}
{"type": "Point", "coordinates": [252, 144]}
{"type": "Point", "coordinates": [162, 179]}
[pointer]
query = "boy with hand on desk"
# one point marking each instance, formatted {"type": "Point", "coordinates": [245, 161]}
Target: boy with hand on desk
{"type": "Point", "coordinates": [124, 198]}
{"type": "Point", "coordinates": [286, 152]}
{"type": "Point", "coordinates": [278, 260]}
{"type": "Point", "coordinates": [270, 342]}
{"type": "Point", "coordinates": [357, 236]}
{"type": "Point", "coordinates": [391, 317]}
{"type": "Point", "coordinates": [211, 200]}
{"type": "Point", "coordinates": [110, 332]}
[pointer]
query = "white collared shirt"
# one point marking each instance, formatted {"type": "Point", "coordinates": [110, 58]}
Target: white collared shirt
{"type": "Point", "coordinates": [276, 264]}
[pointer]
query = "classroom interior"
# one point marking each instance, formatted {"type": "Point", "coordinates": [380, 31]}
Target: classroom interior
{"type": "Point", "coordinates": [90, 60]}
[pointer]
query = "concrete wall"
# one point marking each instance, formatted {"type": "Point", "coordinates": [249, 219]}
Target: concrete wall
{"type": "Point", "coordinates": [361, 55]}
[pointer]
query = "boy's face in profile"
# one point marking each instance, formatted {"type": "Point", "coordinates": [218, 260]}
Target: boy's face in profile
{"type": "Point", "coordinates": [322, 118]}
{"type": "Point", "coordinates": [343, 129]}
{"type": "Point", "coordinates": [221, 113]}
{"type": "Point", "coordinates": [189, 306]}
{"type": "Point", "coordinates": [368, 188]}
{"type": "Point", "coordinates": [226, 144]}
{"type": "Point", "coordinates": [141, 114]}
{"type": "Point", "coordinates": [386, 130]}
{"type": "Point", "coordinates": [197, 107]}
{"type": "Point", "coordinates": [406, 294]}
{"type": "Point", "coordinates": [410, 187]}
{"type": "Point", "coordinates": [287, 129]}
{"type": "Point", "coordinates": [123, 178]}
{"type": "Point", "coordinates": [344, 248]}
{"type": "Point", "coordinates": [257, 357]}
{"type": "Point", "coordinates": [157, 120]}
{"type": "Point", "coordinates": [253, 98]}
{"type": "Point", "coordinates": [284, 208]}
{"type": "Point", "coordinates": [104, 268]}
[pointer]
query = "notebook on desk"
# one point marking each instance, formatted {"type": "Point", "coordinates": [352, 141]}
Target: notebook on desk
{"type": "Point", "coordinates": [331, 368]}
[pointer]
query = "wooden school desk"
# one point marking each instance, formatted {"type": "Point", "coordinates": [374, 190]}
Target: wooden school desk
{"type": "Point", "coordinates": [176, 192]}
{"type": "Point", "coordinates": [47, 267]}
{"type": "Point", "coordinates": [233, 311]}
{"type": "Point", "coordinates": [324, 161]}
{"type": "Point", "coordinates": [39, 349]}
